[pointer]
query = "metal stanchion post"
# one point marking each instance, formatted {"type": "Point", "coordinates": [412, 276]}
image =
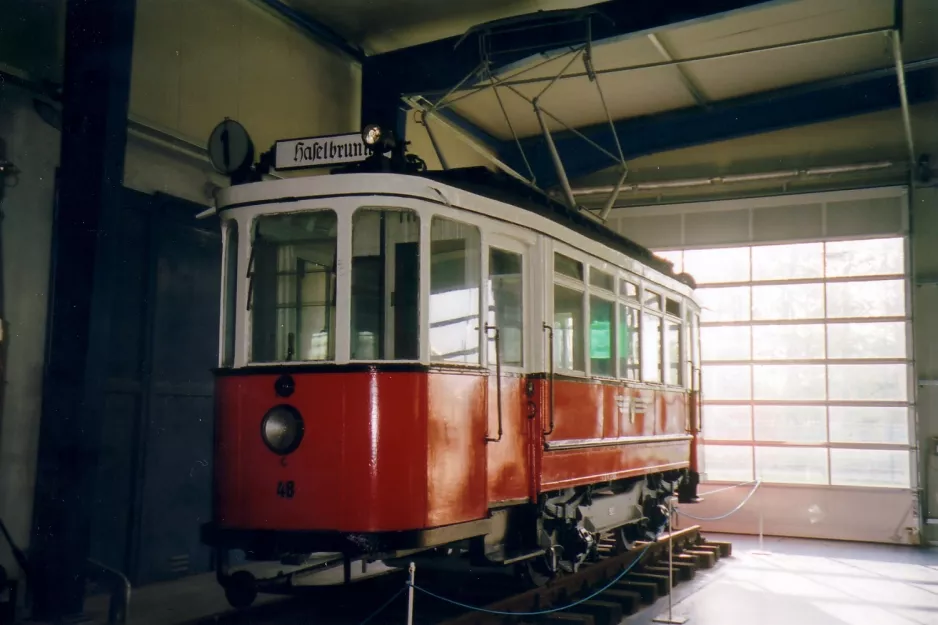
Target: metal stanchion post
{"type": "Point", "coordinates": [761, 551]}
{"type": "Point", "coordinates": [410, 594]}
{"type": "Point", "coordinates": [670, 618]}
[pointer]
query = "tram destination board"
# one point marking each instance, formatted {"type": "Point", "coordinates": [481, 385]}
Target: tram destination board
{"type": "Point", "coordinates": [310, 152]}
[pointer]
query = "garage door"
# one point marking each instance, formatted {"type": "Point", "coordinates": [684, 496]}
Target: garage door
{"type": "Point", "coordinates": [806, 365]}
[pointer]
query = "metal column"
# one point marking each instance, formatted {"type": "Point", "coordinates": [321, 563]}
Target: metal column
{"type": "Point", "coordinates": [98, 48]}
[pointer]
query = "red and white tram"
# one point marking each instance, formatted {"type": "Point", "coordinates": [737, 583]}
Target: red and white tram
{"type": "Point", "coordinates": [418, 360]}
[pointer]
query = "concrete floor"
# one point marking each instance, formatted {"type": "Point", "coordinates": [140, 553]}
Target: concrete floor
{"type": "Point", "coordinates": [800, 582]}
{"type": "Point", "coordinates": [807, 582]}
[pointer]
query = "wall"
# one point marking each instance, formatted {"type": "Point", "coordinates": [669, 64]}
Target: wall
{"type": "Point", "coordinates": [925, 328]}
{"type": "Point", "coordinates": [196, 63]}
{"type": "Point", "coordinates": [31, 37]}
{"type": "Point", "coordinates": [865, 138]}
{"type": "Point", "coordinates": [846, 513]}
{"type": "Point", "coordinates": [25, 237]}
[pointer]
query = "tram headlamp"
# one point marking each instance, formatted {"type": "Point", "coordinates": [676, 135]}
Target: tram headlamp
{"type": "Point", "coordinates": [372, 134]}
{"type": "Point", "coordinates": [282, 429]}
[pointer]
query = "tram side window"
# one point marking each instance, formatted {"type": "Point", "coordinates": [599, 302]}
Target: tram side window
{"type": "Point", "coordinates": [566, 266]}
{"type": "Point", "coordinates": [385, 322]}
{"type": "Point", "coordinates": [506, 312]}
{"type": "Point", "coordinates": [568, 329]}
{"type": "Point", "coordinates": [629, 333]}
{"type": "Point", "coordinates": [455, 283]}
{"type": "Point", "coordinates": [231, 292]}
{"type": "Point", "coordinates": [292, 284]}
{"type": "Point", "coordinates": [651, 348]}
{"type": "Point", "coordinates": [602, 332]}
{"type": "Point", "coordinates": [672, 352]}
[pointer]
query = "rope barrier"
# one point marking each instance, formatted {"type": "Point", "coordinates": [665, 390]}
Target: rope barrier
{"type": "Point", "coordinates": [758, 483]}
{"type": "Point", "coordinates": [725, 488]}
{"type": "Point", "coordinates": [549, 611]}
{"type": "Point", "coordinates": [383, 606]}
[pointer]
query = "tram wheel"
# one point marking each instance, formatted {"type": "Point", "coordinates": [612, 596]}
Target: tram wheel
{"type": "Point", "coordinates": [241, 589]}
{"type": "Point", "coordinates": [534, 572]}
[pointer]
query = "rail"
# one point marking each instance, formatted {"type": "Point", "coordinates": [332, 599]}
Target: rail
{"type": "Point", "coordinates": [550, 374]}
{"type": "Point", "coordinates": [498, 383]}
{"type": "Point", "coordinates": [119, 605]}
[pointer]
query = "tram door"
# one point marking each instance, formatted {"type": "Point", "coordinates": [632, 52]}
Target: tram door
{"type": "Point", "coordinates": [508, 285]}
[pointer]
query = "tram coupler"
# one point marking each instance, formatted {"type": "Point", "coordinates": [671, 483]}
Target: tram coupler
{"type": "Point", "coordinates": [687, 489]}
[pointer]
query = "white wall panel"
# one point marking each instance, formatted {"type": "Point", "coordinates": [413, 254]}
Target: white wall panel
{"type": "Point", "coordinates": [831, 472]}
{"type": "Point", "coordinates": [659, 230]}
{"type": "Point", "coordinates": [835, 513]}
{"type": "Point", "coordinates": [717, 228]}
{"type": "Point", "coordinates": [864, 217]}
{"type": "Point", "coordinates": [801, 221]}
{"type": "Point", "coordinates": [771, 219]}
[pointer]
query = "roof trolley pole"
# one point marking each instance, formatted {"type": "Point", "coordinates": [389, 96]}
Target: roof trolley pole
{"type": "Point", "coordinates": [555, 156]}
{"type": "Point", "coordinates": [614, 195]}
{"type": "Point", "coordinates": [896, 38]}
{"type": "Point", "coordinates": [422, 120]}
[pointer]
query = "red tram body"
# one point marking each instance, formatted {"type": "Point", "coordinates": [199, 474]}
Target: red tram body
{"type": "Point", "coordinates": [492, 430]}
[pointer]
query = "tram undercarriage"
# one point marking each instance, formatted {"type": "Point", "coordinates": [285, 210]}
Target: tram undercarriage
{"type": "Point", "coordinates": [532, 541]}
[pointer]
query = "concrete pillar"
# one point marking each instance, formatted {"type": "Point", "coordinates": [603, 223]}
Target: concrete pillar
{"type": "Point", "coordinates": [925, 335]}
{"type": "Point", "coordinates": [98, 48]}
{"type": "Point", "coordinates": [25, 239]}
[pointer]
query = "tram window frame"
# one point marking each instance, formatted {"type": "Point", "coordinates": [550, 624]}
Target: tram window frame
{"type": "Point", "coordinates": [568, 267]}
{"type": "Point", "coordinates": [649, 318]}
{"type": "Point", "coordinates": [569, 274]}
{"type": "Point", "coordinates": [396, 335]}
{"type": "Point", "coordinates": [629, 369]}
{"type": "Point", "coordinates": [629, 291]}
{"type": "Point", "coordinates": [511, 337]}
{"type": "Point", "coordinates": [610, 341]}
{"type": "Point", "coordinates": [230, 295]}
{"type": "Point", "coordinates": [578, 345]}
{"type": "Point", "coordinates": [600, 279]}
{"type": "Point", "coordinates": [279, 312]}
{"type": "Point", "coordinates": [471, 255]}
{"type": "Point", "coordinates": [672, 373]}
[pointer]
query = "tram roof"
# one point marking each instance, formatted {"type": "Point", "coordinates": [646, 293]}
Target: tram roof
{"type": "Point", "coordinates": [478, 181]}
{"type": "Point", "coordinates": [503, 188]}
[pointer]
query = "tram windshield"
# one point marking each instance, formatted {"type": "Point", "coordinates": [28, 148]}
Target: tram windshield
{"type": "Point", "coordinates": [292, 289]}
{"type": "Point", "coordinates": [385, 284]}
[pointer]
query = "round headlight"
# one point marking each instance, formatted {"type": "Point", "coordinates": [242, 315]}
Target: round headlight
{"type": "Point", "coordinates": [371, 135]}
{"type": "Point", "coordinates": [282, 429]}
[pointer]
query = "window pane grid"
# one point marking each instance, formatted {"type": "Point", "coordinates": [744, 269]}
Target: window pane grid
{"type": "Point", "coordinates": [805, 363]}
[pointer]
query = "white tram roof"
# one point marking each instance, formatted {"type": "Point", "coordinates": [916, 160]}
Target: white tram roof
{"type": "Point", "coordinates": [473, 189]}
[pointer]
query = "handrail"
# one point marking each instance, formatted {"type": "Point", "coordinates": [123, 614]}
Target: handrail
{"type": "Point", "coordinates": [498, 383]}
{"type": "Point", "coordinates": [550, 375]}
{"type": "Point", "coordinates": [120, 588]}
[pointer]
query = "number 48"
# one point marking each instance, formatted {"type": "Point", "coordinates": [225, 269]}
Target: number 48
{"type": "Point", "coordinates": [286, 489]}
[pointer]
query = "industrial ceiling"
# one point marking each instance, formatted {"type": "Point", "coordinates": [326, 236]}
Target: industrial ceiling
{"type": "Point", "coordinates": [665, 76]}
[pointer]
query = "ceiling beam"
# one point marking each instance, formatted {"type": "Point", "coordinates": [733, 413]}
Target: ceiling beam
{"type": "Point", "coordinates": [439, 65]}
{"type": "Point", "coordinates": [800, 105]}
{"type": "Point", "coordinates": [318, 31]}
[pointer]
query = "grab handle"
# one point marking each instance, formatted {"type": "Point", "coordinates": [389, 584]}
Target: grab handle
{"type": "Point", "coordinates": [550, 374]}
{"type": "Point", "coordinates": [498, 382]}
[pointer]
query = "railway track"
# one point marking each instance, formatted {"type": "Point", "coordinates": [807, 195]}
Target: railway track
{"type": "Point", "coordinates": [644, 582]}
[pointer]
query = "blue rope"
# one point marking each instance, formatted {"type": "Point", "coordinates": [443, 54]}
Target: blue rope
{"type": "Point", "coordinates": [386, 604]}
{"type": "Point", "coordinates": [566, 607]}
{"type": "Point", "coordinates": [758, 483]}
